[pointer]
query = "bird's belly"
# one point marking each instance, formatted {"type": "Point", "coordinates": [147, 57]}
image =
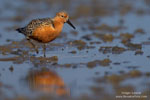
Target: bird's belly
{"type": "Point", "coordinates": [45, 34]}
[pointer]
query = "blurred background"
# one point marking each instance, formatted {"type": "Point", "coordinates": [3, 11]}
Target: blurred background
{"type": "Point", "coordinates": [106, 57]}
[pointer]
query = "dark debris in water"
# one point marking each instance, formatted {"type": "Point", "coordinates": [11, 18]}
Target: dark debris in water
{"type": "Point", "coordinates": [139, 52]}
{"type": "Point", "coordinates": [87, 37]}
{"type": "Point", "coordinates": [135, 73]}
{"type": "Point", "coordinates": [132, 46]}
{"type": "Point", "coordinates": [11, 68]}
{"type": "Point", "coordinates": [113, 50]}
{"type": "Point", "coordinates": [96, 42]}
{"type": "Point", "coordinates": [104, 62]}
{"type": "Point", "coordinates": [126, 36]}
{"type": "Point", "coordinates": [73, 52]}
{"type": "Point", "coordinates": [104, 37]}
{"type": "Point", "coordinates": [17, 60]}
{"type": "Point", "coordinates": [107, 28]}
{"type": "Point", "coordinates": [79, 43]}
{"type": "Point", "coordinates": [118, 50]}
{"type": "Point", "coordinates": [42, 60]}
{"type": "Point", "coordinates": [92, 64]}
{"type": "Point", "coordinates": [139, 31]}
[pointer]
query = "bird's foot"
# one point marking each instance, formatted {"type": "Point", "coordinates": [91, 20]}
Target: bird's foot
{"type": "Point", "coordinates": [37, 51]}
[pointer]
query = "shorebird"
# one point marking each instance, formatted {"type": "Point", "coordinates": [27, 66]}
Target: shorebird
{"type": "Point", "coordinates": [45, 30]}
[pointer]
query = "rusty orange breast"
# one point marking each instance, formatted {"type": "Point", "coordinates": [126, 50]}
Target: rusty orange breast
{"type": "Point", "coordinates": [46, 34]}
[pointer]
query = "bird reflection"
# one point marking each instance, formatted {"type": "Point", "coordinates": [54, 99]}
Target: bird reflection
{"type": "Point", "coordinates": [47, 81]}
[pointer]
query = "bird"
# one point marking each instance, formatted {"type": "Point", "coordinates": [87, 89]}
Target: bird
{"type": "Point", "coordinates": [45, 30]}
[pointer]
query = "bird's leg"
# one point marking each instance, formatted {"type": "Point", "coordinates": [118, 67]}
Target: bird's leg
{"type": "Point", "coordinates": [32, 45]}
{"type": "Point", "coordinates": [44, 49]}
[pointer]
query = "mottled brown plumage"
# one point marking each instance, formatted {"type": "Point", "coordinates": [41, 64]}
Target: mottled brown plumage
{"type": "Point", "coordinates": [45, 30]}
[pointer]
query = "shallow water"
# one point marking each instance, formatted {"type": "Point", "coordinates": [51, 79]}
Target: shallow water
{"type": "Point", "coordinates": [106, 56]}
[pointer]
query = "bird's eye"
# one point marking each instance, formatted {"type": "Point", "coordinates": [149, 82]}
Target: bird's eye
{"type": "Point", "coordinates": [62, 16]}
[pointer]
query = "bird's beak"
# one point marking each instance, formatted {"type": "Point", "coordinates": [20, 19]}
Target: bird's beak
{"type": "Point", "coordinates": [70, 24]}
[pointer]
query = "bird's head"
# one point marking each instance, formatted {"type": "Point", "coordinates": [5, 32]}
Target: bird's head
{"type": "Point", "coordinates": [64, 17]}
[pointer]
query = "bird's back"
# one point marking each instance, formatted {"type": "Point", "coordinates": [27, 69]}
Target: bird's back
{"type": "Point", "coordinates": [35, 23]}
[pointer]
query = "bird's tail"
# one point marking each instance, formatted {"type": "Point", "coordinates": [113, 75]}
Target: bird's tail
{"type": "Point", "coordinates": [20, 30]}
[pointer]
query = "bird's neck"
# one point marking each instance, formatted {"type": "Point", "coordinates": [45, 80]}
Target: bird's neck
{"type": "Point", "coordinates": [58, 25]}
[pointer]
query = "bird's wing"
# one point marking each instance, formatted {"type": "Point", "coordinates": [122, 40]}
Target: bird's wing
{"type": "Point", "coordinates": [35, 23]}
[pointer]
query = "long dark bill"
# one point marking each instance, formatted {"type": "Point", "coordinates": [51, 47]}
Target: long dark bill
{"type": "Point", "coordinates": [70, 24]}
